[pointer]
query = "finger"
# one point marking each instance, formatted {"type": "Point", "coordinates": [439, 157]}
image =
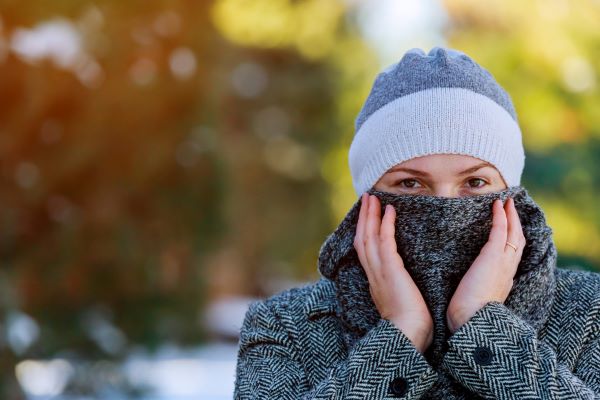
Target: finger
{"type": "Point", "coordinates": [371, 237]}
{"type": "Point", "coordinates": [515, 230]}
{"type": "Point", "coordinates": [388, 247]}
{"type": "Point", "coordinates": [359, 244]}
{"type": "Point", "coordinates": [387, 223]}
{"type": "Point", "coordinates": [498, 232]}
{"type": "Point", "coordinates": [362, 217]}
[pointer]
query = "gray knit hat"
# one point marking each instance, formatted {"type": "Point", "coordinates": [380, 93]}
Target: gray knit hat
{"type": "Point", "coordinates": [441, 102]}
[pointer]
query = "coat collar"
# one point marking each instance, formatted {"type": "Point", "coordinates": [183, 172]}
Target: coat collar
{"type": "Point", "coordinates": [321, 300]}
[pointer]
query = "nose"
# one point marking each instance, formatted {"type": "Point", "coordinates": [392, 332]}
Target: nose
{"type": "Point", "coordinates": [445, 191]}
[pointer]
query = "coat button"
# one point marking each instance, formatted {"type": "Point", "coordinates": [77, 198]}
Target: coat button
{"type": "Point", "coordinates": [483, 355]}
{"type": "Point", "coordinates": [398, 386]}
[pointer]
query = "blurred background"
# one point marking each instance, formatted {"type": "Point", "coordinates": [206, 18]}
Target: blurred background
{"type": "Point", "coordinates": [163, 163]}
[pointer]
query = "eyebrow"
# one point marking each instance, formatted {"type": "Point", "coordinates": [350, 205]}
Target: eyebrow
{"type": "Point", "coordinates": [423, 173]}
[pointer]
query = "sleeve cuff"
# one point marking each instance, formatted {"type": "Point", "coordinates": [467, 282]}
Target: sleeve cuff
{"type": "Point", "coordinates": [493, 344]}
{"type": "Point", "coordinates": [408, 375]}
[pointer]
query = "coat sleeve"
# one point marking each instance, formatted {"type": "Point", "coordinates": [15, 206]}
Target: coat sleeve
{"type": "Point", "coordinates": [497, 355]}
{"type": "Point", "coordinates": [268, 365]}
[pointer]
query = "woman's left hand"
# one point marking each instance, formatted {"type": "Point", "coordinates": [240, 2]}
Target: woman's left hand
{"type": "Point", "coordinates": [490, 278]}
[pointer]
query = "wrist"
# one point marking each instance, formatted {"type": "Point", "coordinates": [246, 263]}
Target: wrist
{"type": "Point", "coordinates": [419, 336]}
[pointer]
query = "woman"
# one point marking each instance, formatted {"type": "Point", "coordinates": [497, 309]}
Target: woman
{"type": "Point", "coordinates": [441, 281]}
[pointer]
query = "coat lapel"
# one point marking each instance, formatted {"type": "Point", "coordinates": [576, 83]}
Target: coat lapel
{"type": "Point", "coordinates": [319, 332]}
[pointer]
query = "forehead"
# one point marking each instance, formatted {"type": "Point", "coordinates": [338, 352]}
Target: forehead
{"type": "Point", "coordinates": [442, 160]}
{"type": "Point", "coordinates": [443, 165]}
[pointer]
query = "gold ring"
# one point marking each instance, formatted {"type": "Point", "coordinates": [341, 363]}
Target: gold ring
{"type": "Point", "coordinates": [511, 245]}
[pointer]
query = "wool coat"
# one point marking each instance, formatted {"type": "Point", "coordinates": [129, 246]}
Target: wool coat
{"type": "Point", "coordinates": [291, 347]}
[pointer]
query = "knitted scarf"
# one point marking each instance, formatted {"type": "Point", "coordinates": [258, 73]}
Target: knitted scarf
{"type": "Point", "coordinates": [438, 239]}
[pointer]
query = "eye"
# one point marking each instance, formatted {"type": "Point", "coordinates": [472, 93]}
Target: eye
{"type": "Point", "coordinates": [407, 183]}
{"type": "Point", "coordinates": [477, 183]}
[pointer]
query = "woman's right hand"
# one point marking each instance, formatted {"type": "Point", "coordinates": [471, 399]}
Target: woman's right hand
{"type": "Point", "coordinates": [393, 290]}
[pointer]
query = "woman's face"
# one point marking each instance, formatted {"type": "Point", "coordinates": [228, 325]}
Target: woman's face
{"type": "Point", "coordinates": [444, 175]}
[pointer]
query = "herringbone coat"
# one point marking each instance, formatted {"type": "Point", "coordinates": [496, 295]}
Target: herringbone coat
{"type": "Point", "coordinates": [290, 347]}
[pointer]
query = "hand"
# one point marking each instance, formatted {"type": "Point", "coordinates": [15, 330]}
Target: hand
{"type": "Point", "coordinates": [490, 277]}
{"type": "Point", "coordinates": [392, 289]}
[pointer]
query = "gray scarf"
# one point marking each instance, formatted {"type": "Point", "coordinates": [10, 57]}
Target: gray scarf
{"type": "Point", "coordinates": [438, 239]}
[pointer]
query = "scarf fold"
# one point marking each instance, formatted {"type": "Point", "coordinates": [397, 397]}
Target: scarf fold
{"type": "Point", "coordinates": [438, 239]}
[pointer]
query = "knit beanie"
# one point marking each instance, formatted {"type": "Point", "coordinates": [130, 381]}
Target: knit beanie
{"type": "Point", "coordinates": [441, 102]}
